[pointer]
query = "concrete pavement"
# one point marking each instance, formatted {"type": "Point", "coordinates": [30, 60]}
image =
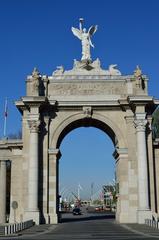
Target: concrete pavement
{"type": "Point", "coordinates": [89, 226]}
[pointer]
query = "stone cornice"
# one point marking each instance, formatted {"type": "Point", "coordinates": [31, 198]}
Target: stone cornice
{"type": "Point", "coordinates": [88, 103]}
{"type": "Point", "coordinates": [25, 102]}
{"type": "Point", "coordinates": [124, 103]}
{"type": "Point", "coordinates": [91, 77]}
{"type": "Point", "coordinates": [140, 100]}
{"type": "Point", "coordinates": [34, 99]}
{"type": "Point", "coordinates": [44, 77]}
{"type": "Point", "coordinates": [114, 102]}
{"type": "Point", "coordinates": [156, 101]}
{"type": "Point", "coordinates": [20, 105]}
{"type": "Point", "coordinates": [11, 143]}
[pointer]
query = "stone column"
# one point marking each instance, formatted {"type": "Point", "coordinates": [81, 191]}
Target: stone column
{"type": "Point", "coordinates": [46, 168]}
{"type": "Point", "coordinates": [32, 210]}
{"type": "Point", "coordinates": [122, 213]}
{"type": "Point", "coordinates": [54, 156]}
{"type": "Point", "coordinates": [151, 164]}
{"type": "Point", "coordinates": [2, 191]}
{"type": "Point", "coordinates": [132, 167]}
{"type": "Point", "coordinates": [143, 200]}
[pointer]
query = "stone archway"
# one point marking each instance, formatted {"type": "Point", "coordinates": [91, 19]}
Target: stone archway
{"type": "Point", "coordinates": [109, 127]}
{"type": "Point", "coordinates": [80, 119]}
{"type": "Point", "coordinates": [85, 95]}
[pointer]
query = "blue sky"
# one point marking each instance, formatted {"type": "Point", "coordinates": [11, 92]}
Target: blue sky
{"type": "Point", "coordinates": [37, 33]}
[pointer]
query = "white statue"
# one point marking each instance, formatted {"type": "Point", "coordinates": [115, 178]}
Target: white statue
{"type": "Point", "coordinates": [59, 70]}
{"type": "Point", "coordinates": [85, 38]}
{"type": "Point", "coordinates": [113, 71]}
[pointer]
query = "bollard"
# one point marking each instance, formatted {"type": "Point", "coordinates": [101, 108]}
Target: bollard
{"type": "Point", "coordinates": [5, 230]}
{"type": "Point", "coordinates": [16, 227]}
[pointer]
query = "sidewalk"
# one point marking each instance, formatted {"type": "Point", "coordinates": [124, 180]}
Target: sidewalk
{"type": "Point", "coordinates": [142, 229]}
{"type": "Point", "coordinates": [32, 231]}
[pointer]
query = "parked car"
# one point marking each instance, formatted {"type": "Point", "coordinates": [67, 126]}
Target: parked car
{"type": "Point", "coordinates": [76, 211]}
{"type": "Point", "coordinates": [99, 208]}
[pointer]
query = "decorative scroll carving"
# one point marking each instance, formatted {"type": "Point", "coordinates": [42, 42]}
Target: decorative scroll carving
{"type": "Point", "coordinates": [87, 65]}
{"type": "Point", "coordinates": [140, 124]}
{"type": "Point", "coordinates": [59, 70]}
{"type": "Point", "coordinates": [113, 71]}
{"type": "Point", "coordinates": [33, 125]}
{"type": "Point", "coordinates": [87, 111]}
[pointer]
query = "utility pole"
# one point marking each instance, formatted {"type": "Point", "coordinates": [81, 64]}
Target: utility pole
{"type": "Point", "coordinates": [92, 190]}
{"type": "Point", "coordinates": [5, 117]}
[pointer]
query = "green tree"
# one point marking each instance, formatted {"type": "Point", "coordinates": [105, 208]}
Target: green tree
{"type": "Point", "coordinates": [155, 123]}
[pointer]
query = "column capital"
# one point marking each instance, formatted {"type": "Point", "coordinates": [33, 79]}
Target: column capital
{"type": "Point", "coordinates": [140, 124]}
{"type": "Point", "coordinates": [54, 152]}
{"type": "Point", "coordinates": [3, 160]}
{"type": "Point", "coordinates": [34, 125]}
{"type": "Point", "coordinates": [129, 119]}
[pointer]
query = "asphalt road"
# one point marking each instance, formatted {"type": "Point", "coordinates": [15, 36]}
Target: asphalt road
{"type": "Point", "coordinates": [89, 226]}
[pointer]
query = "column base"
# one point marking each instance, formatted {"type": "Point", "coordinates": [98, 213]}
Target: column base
{"type": "Point", "coordinates": [143, 214]}
{"type": "Point", "coordinates": [125, 217]}
{"type": "Point", "coordinates": [32, 215]}
{"type": "Point", "coordinates": [53, 218]}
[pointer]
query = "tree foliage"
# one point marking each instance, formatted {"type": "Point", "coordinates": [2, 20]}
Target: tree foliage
{"type": "Point", "coordinates": [155, 123]}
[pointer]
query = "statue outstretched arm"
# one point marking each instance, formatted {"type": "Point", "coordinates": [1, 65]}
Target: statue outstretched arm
{"type": "Point", "coordinates": [77, 32]}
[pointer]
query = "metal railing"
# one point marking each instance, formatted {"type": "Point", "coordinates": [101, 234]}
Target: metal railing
{"type": "Point", "coordinates": [16, 227]}
{"type": "Point", "coordinates": [152, 223]}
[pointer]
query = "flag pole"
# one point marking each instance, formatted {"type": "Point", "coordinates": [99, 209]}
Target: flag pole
{"type": "Point", "coordinates": [5, 118]}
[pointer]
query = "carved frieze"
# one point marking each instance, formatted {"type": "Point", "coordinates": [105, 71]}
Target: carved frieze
{"type": "Point", "coordinates": [67, 89]}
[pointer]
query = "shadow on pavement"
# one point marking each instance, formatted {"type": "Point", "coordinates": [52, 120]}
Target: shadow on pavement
{"type": "Point", "coordinates": [88, 218]}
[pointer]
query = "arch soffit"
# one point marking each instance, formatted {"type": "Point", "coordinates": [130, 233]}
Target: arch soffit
{"type": "Point", "coordinates": [79, 116]}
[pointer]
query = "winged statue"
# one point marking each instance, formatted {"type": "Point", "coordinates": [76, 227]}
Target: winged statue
{"type": "Point", "coordinates": [85, 38]}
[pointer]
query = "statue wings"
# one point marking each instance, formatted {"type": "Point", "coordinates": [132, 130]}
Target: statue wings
{"type": "Point", "coordinates": [77, 32]}
{"type": "Point", "coordinates": [92, 30]}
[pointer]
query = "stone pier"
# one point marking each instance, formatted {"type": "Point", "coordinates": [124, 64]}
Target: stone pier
{"type": "Point", "coordinates": [32, 211]}
{"type": "Point", "coordinates": [3, 191]}
{"type": "Point", "coordinates": [143, 195]}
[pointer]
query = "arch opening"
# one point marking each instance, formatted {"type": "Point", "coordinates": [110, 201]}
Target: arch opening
{"type": "Point", "coordinates": [87, 122]}
{"type": "Point", "coordinates": [97, 192]}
